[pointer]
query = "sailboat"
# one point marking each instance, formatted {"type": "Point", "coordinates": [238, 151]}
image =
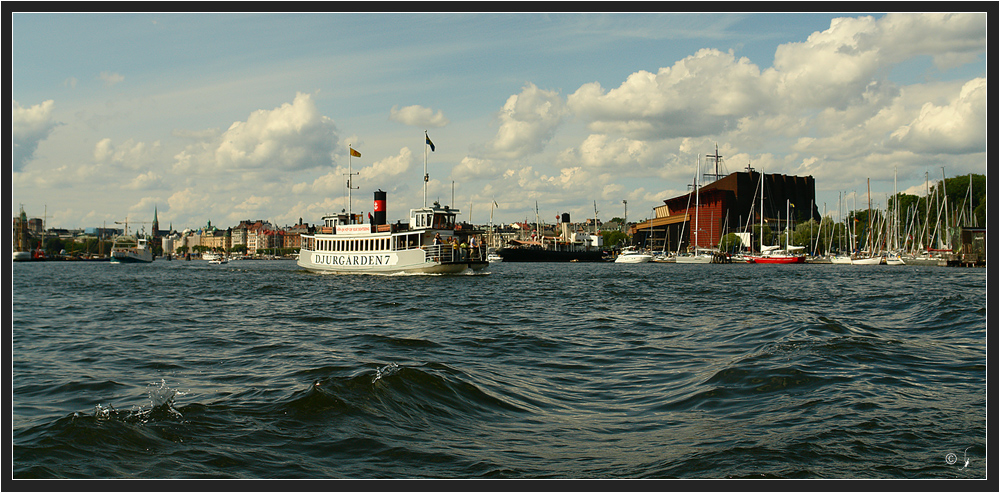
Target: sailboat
{"type": "Point", "coordinates": [842, 259]}
{"type": "Point", "coordinates": [698, 257]}
{"type": "Point", "coordinates": [773, 254]}
{"type": "Point", "coordinates": [870, 257]}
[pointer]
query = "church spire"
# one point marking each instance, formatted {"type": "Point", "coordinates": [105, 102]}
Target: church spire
{"type": "Point", "coordinates": [156, 223]}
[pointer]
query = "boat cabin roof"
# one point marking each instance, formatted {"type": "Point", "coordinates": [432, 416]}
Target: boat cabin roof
{"type": "Point", "coordinates": [435, 217]}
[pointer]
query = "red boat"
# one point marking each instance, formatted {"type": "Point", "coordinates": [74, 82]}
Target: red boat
{"type": "Point", "coordinates": [777, 259]}
{"type": "Point", "coordinates": [773, 256]}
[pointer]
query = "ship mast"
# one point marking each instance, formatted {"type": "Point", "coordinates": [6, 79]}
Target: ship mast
{"type": "Point", "coordinates": [350, 173]}
{"type": "Point", "coordinates": [427, 143]}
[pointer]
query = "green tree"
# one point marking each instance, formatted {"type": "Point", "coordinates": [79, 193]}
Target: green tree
{"type": "Point", "coordinates": [764, 233]}
{"type": "Point", "coordinates": [612, 238]}
{"type": "Point", "coordinates": [53, 246]}
{"type": "Point", "coordinates": [731, 243]}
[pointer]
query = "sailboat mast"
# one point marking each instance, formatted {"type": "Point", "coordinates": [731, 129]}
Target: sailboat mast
{"type": "Point", "coordinates": [870, 249]}
{"type": "Point", "coordinates": [697, 206]}
{"type": "Point", "coordinates": [944, 193]}
{"type": "Point", "coordinates": [895, 215]}
{"type": "Point", "coordinates": [788, 222]}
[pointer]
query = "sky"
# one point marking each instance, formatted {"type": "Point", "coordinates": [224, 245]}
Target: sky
{"type": "Point", "coordinates": [224, 117]}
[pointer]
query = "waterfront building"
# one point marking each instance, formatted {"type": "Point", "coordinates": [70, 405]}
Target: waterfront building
{"type": "Point", "coordinates": [725, 206]}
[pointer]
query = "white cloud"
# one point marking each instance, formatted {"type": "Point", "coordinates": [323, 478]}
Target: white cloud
{"type": "Point", "coordinates": [958, 127]}
{"type": "Point", "coordinates": [951, 39]}
{"type": "Point", "coordinates": [30, 126]}
{"type": "Point", "coordinates": [382, 170]}
{"type": "Point", "coordinates": [129, 154]}
{"type": "Point", "coordinates": [702, 94]}
{"type": "Point", "coordinates": [527, 122]}
{"type": "Point", "coordinates": [189, 201]}
{"type": "Point", "coordinates": [377, 175]}
{"type": "Point", "coordinates": [472, 168]}
{"type": "Point", "coordinates": [145, 181]}
{"type": "Point", "coordinates": [291, 137]}
{"type": "Point", "coordinates": [252, 206]}
{"type": "Point", "coordinates": [599, 151]}
{"type": "Point", "coordinates": [111, 78]}
{"type": "Point", "coordinates": [417, 116]}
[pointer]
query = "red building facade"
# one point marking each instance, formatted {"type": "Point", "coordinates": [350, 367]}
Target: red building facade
{"type": "Point", "coordinates": [725, 206]}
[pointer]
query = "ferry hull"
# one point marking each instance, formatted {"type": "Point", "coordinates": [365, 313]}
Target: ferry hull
{"type": "Point", "coordinates": [416, 261]}
{"type": "Point", "coordinates": [130, 258]}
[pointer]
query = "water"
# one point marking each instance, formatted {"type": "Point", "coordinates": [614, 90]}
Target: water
{"type": "Point", "coordinates": [256, 369]}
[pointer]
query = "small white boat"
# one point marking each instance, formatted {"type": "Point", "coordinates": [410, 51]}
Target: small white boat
{"type": "Point", "coordinates": [630, 255]}
{"type": "Point", "coordinates": [894, 259]}
{"type": "Point", "coordinates": [696, 258]}
{"type": "Point", "coordinates": [493, 258]}
{"type": "Point", "coordinates": [874, 260]}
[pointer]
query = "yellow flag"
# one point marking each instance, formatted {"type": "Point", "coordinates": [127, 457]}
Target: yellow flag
{"type": "Point", "coordinates": [355, 153]}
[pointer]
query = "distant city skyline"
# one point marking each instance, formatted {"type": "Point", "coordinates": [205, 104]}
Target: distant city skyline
{"type": "Point", "coordinates": [232, 116]}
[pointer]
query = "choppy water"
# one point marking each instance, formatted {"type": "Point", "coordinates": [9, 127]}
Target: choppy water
{"type": "Point", "coordinates": [256, 369]}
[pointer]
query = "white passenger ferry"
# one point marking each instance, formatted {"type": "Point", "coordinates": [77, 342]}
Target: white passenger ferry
{"type": "Point", "coordinates": [431, 243]}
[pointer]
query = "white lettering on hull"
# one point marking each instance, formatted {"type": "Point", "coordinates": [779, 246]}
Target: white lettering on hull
{"type": "Point", "coordinates": [355, 260]}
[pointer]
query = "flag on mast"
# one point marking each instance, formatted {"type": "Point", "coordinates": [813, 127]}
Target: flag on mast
{"type": "Point", "coordinates": [429, 141]}
{"type": "Point", "coordinates": [355, 153]}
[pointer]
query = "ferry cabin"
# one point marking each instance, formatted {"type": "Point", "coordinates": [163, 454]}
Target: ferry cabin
{"type": "Point", "coordinates": [344, 244]}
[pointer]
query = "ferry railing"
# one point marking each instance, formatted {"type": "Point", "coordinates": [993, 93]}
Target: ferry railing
{"type": "Point", "coordinates": [439, 253]}
{"type": "Point", "coordinates": [448, 253]}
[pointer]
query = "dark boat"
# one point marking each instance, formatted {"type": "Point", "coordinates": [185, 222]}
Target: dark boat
{"type": "Point", "coordinates": [533, 251]}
